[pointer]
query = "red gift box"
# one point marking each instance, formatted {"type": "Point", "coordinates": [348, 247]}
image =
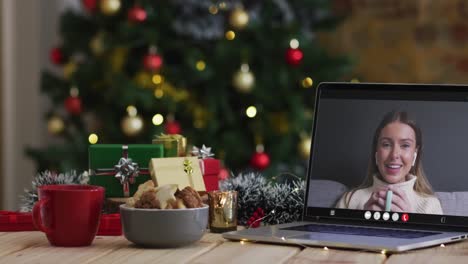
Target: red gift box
{"type": "Point", "coordinates": [210, 169]}
{"type": "Point", "coordinates": [16, 221]}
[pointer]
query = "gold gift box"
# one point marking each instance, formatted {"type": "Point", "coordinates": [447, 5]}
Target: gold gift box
{"type": "Point", "coordinates": [183, 171]}
{"type": "Point", "coordinates": [174, 145]}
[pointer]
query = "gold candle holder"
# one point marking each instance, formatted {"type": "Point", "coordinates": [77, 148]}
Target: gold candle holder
{"type": "Point", "coordinates": [223, 211]}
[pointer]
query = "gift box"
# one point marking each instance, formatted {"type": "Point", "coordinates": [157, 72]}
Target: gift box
{"type": "Point", "coordinates": [174, 145]}
{"type": "Point", "coordinates": [121, 168]}
{"type": "Point", "coordinates": [183, 171]}
{"type": "Point", "coordinates": [210, 169]}
{"type": "Point", "coordinates": [16, 221]}
{"type": "Point", "coordinates": [110, 225]}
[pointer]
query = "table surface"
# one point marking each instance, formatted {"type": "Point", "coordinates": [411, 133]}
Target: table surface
{"type": "Point", "coordinates": [33, 247]}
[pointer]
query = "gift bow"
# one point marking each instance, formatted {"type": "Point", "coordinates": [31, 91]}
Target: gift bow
{"type": "Point", "coordinates": [202, 153]}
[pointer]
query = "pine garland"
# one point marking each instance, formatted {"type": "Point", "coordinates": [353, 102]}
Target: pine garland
{"type": "Point", "coordinates": [281, 202]}
{"type": "Point", "coordinates": [30, 197]}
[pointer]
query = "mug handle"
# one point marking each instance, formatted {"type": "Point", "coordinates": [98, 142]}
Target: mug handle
{"type": "Point", "coordinates": [37, 219]}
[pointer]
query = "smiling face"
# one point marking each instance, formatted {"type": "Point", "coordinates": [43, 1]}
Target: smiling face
{"type": "Point", "coordinates": [396, 148]}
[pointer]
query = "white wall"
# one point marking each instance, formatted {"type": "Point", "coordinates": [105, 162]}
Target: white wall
{"type": "Point", "coordinates": [29, 30]}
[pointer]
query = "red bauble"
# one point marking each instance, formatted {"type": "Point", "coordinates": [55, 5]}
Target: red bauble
{"type": "Point", "coordinates": [260, 160]}
{"type": "Point", "coordinates": [223, 174]}
{"type": "Point", "coordinates": [90, 5]}
{"type": "Point", "coordinates": [294, 56]}
{"type": "Point", "coordinates": [56, 56]}
{"type": "Point", "coordinates": [172, 128]}
{"type": "Point", "coordinates": [73, 105]}
{"type": "Point", "coordinates": [152, 62]}
{"type": "Point", "coordinates": [136, 14]}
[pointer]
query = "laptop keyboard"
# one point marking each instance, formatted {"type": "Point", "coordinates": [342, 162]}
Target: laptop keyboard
{"type": "Point", "coordinates": [361, 231]}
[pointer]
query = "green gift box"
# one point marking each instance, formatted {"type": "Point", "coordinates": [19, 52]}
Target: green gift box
{"type": "Point", "coordinates": [103, 159]}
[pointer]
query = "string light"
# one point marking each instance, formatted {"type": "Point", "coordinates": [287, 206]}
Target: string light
{"type": "Point", "coordinates": [383, 252]}
{"type": "Point", "coordinates": [157, 79]}
{"type": "Point", "coordinates": [242, 242]}
{"type": "Point", "coordinates": [200, 65]}
{"type": "Point", "coordinates": [93, 138]}
{"type": "Point", "coordinates": [131, 110]}
{"type": "Point", "coordinates": [294, 43]}
{"type": "Point", "coordinates": [307, 82]}
{"type": "Point", "coordinates": [213, 10]}
{"type": "Point", "coordinates": [442, 245]}
{"type": "Point", "coordinates": [251, 111]}
{"type": "Point", "coordinates": [158, 93]}
{"type": "Point", "coordinates": [157, 119]}
{"type": "Point", "coordinates": [354, 80]}
{"type": "Point", "coordinates": [230, 35]}
{"type": "Point", "coordinates": [325, 248]}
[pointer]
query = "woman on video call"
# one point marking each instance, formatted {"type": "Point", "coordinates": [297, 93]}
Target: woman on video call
{"type": "Point", "coordinates": [395, 165]}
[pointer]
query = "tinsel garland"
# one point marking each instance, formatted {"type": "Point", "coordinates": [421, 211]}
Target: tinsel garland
{"type": "Point", "coordinates": [29, 198]}
{"type": "Point", "coordinates": [281, 202]}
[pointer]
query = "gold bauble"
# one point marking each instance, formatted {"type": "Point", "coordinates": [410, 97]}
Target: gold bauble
{"type": "Point", "coordinates": [55, 125]}
{"type": "Point", "coordinates": [304, 147]}
{"type": "Point", "coordinates": [243, 80]}
{"type": "Point", "coordinates": [97, 44]}
{"type": "Point", "coordinates": [239, 18]}
{"type": "Point", "coordinates": [132, 125]}
{"type": "Point", "coordinates": [69, 69]}
{"type": "Point", "coordinates": [110, 7]}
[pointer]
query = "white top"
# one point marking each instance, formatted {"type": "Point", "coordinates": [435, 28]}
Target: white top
{"type": "Point", "coordinates": [421, 203]}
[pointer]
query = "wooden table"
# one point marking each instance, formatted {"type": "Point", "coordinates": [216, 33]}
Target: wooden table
{"type": "Point", "coordinates": [33, 247]}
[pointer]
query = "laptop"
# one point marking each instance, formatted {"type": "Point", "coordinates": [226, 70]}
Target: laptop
{"type": "Point", "coordinates": [374, 182]}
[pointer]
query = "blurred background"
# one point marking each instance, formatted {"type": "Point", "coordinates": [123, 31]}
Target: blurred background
{"type": "Point", "coordinates": [237, 76]}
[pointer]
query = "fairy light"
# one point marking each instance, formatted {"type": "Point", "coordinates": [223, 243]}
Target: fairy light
{"type": "Point", "coordinates": [383, 252]}
{"type": "Point", "coordinates": [283, 238]}
{"type": "Point", "coordinates": [93, 138]}
{"type": "Point", "coordinates": [251, 111]}
{"type": "Point", "coordinates": [442, 245]}
{"type": "Point", "coordinates": [242, 242]}
{"type": "Point", "coordinates": [354, 80]}
{"type": "Point", "coordinates": [230, 35]}
{"type": "Point", "coordinates": [213, 9]}
{"type": "Point", "coordinates": [294, 43]}
{"type": "Point", "coordinates": [131, 110]}
{"type": "Point", "coordinates": [157, 79]}
{"type": "Point", "coordinates": [325, 248]}
{"type": "Point", "coordinates": [157, 119]}
{"type": "Point", "coordinates": [158, 93]}
{"type": "Point", "coordinates": [200, 65]}
{"type": "Point", "coordinates": [307, 82]}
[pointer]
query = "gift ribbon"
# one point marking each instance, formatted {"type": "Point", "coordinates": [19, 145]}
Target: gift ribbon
{"type": "Point", "coordinates": [125, 171]}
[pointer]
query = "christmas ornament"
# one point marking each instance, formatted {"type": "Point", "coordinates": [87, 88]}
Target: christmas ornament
{"type": "Point", "coordinates": [96, 44]}
{"type": "Point", "coordinates": [132, 125]}
{"type": "Point", "coordinates": [89, 5]}
{"type": "Point", "coordinates": [243, 80]}
{"type": "Point", "coordinates": [172, 127]}
{"type": "Point", "coordinates": [73, 105]}
{"type": "Point", "coordinates": [110, 7]}
{"type": "Point", "coordinates": [238, 18]}
{"type": "Point", "coordinates": [69, 69]}
{"type": "Point", "coordinates": [280, 202]}
{"type": "Point", "coordinates": [136, 14]}
{"type": "Point", "coordinates": [260, 160]}
{"type": "Point", "coordinates": [56, 56]}
{"type": "Point", "coordinates": [255, 220]}
{"type": "Point", "coordinates": [55, 125]}
{"type": "Point", "coordinates": [294, 56]}
{"type": "Point", "coordinates": [29, 198]}
{"type": "Point", "coordinates": [152, 62]}
{"type": "Point", "coordinates": [223, 174]}
{"type": "Point", "coordinates": [202, 153]}
{"type": "Point", "coordinates": [304, 147]}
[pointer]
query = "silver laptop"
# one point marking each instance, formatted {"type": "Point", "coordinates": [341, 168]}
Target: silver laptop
{"type": "Point", "coordinates": [388, 170]}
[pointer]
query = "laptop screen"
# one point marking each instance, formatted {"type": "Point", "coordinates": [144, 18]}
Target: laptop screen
{"type": "Point", "coordinates": [395, 153]}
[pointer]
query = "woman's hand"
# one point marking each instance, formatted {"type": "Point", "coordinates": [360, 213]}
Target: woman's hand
{"type": "Point", "coordinates": [377, 200]}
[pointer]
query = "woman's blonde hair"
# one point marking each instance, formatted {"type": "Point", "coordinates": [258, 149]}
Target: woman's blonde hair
{"type": "Point", "coordinates": [421, 185]}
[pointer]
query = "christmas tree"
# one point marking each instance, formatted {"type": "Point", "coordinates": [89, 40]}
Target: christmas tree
{"type": "Point", "coordinates": [237, 76]}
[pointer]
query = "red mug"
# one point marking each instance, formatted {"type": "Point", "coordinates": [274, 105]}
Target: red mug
{"type": "Point", "coordinates": [69, 213]}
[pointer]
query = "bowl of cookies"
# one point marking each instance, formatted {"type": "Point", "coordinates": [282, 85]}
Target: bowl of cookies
{"type": "Point", "coordinates": [164, 216]}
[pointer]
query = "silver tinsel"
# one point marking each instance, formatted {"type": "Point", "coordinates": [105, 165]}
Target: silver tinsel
{"type": "Point", "coordinates": [29, 198]}
{"type": "Point", "coordinates": [281, 202]}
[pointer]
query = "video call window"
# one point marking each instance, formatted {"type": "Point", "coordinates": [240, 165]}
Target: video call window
{"type": "Point", "coordinates": [391, 155]}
